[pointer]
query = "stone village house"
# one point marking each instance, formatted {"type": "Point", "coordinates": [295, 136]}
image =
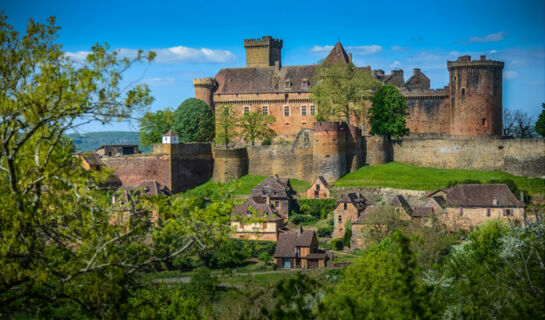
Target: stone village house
{"type": "Point", "coordinates": [319, 189]}
{"type": "Point", "coordinates": [256, 220]}
{"type": "Point", "coordinates": [276, 192]}
{"type": "Point", "coordinates": [349, 208]}
{"type": "Point", "coordinates": [468, 205]}
{"type": "Point", "coordinates": [299, 250]}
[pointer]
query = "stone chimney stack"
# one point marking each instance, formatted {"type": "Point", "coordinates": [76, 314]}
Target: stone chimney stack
{"type": "Point", "coordinates": [416, 71]}
{"type": "Point", "coordinates": [483, 57]}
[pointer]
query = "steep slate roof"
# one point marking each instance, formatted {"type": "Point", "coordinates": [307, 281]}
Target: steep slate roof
{"type": "Point", "coordinates": [445, 190]}
{"type": "Point", "coordinates": [170, 133]}
{"type": "Point", "coordinates": [355, 198]}
{"type": "Point", "coordinates": [399, 201]}
{"type": "Point", "coordinates": [440, 201]}
{"type": "Point", "coordinates": [482, 195]}
{"type": "Point", "coordinates": [275, 188]}
{"type": "Point", "coordinates": [337, 54]}
{"type": "Point", "coordinates": [149, 188]}
{"type": "Point", "coordinates": [263, 210]}
{"type": "Point", "coordinates": [285, 246]}
{"type": "Point", "coordinates": [92, 158]}
{"type": "Point", "coordinates": [365, 214]}
{"type": "Point", "coordinates": [264, 80]}
{"type": "Point", "coordinates": [322, 180]}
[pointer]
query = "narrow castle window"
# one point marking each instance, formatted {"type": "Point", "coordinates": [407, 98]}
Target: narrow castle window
{"type": "Point", "coordinates": [265, 110]}
{"type": "Point", "coordinates": [312, 110]}
{"type": "Point", "coordinates": [288, 84]}
{"type": "Point", "coordinates": [463, 91]}
{"type": "Point", "coordinates": [246, 109]}
{"type": "Point", "coordinates": [286, 111]}
{"type": "Point", "coordinates": [340, 219]}
{"type": "Point", "coordinates": [303, 110]}
{"type": "Point", "coordinates": [484, 123]}
{"type": "Point", "coordinates": [345, 206]}
{"type": "Point", "coordinates": [305, 84]}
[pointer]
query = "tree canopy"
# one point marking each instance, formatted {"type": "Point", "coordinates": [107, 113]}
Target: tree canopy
{"type": "Point", "coordinates": [153, 125]}
{"type": "Point", "coordinates": [226, 123]}
{"type": "Point", "coordinates": [255, 126]}
{"type": "Point", "coordinates": [194, 121]}
{"type": "Point", "coordinates": [60, 254]}
{"type": "Point", "coordinates": [540, 123]}
{"type": "Point", "coordinates": [341, 91]}
{"type": "Point", "coordinates": [388, 112]}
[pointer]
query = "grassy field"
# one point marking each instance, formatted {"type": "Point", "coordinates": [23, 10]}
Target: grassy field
{"type": "Point", "coordinates": [404, 176]}
{"type": "Point", "coordinates": [244, 185]}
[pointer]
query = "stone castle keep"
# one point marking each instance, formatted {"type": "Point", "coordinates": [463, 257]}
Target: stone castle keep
{"type": "Point", "coordinates": [458, 126]}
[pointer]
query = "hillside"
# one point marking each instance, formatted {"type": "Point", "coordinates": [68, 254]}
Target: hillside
{"type": "Point", "coordinates": [403, 176]}
{"type": "Point", "coordinates": [93, 140]}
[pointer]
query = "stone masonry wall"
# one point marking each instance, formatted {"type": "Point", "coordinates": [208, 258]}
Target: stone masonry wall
{"type": "Point", "coordinates": [522, 157]}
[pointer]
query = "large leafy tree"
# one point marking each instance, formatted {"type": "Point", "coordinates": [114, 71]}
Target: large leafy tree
{"type": "Point", "coordinates": [388, 112]}
{"type": "Point", "coordinates": [341, 91]}
{"type": "Point", "coordinates": [59, 254]}
{"type": "Point", "coordinates": [255, 126]}
{"type": "Point", "coordinates": [540, 123]}
{"type": "Point", "coordinates": [194, 121]}
{"type": "Point", "coordinates": [226, 124]}
{"type": "Point", "coordinates": [153, 125]}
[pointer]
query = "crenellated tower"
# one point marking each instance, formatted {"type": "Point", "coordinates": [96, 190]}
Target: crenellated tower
{"type": "Point", "coordinates": [475, 97]}
{"type": "Point", "coordinates": [264, 52]}
{"type": "Point", "coordinates": [204, 90]}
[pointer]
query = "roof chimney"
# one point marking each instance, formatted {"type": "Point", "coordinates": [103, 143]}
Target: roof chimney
{"type": "Point", "coordinates": [416, 71]}
{"type": "Point", "coordinates": [483, 57]}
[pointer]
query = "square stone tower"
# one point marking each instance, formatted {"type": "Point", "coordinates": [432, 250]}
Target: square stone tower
{"type": "Point", "coordinates": [263, 52]}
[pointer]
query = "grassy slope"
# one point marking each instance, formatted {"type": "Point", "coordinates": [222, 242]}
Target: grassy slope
{"type": "Point", "coordinates": [404, 176]}
{"type": "Point", "coordinates": [244, 185]}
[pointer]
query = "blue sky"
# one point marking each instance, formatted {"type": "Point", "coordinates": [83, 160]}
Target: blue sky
{"type": "Point", "coordinates": [196, 38]}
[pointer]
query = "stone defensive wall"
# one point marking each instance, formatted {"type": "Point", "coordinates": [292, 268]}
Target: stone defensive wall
{"type": "Point", "coordinates": [178, 166]}
{"type": "Point", "coordinates": [521, 157]}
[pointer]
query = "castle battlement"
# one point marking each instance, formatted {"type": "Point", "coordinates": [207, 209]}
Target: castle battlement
{"type": "Point", "coordinates": [265, 41]}
{"type": "Point", "coordinates": [205, 82]}
{"type": "Point", "coordinates": [466, 62]}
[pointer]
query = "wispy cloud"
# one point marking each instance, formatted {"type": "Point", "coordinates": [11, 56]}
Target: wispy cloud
{"type": "Point", "coordinates": [395, 64]}
{"type": "Point", "coordinates": [493, 37]}
{"type": "Point", "coordinates": [400, 48]}
{"type": "Point", "coordinates": [510, 74]}
{"type": "Point", "coordinates": [356, 50]}
{"type": "Point", "coordinates": [178, 54]}
{"type": "Point", "coordinates": [159, 81]}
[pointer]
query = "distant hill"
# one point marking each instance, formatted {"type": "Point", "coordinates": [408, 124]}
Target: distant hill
{"type": "Point", "coordinates": [93, 140]}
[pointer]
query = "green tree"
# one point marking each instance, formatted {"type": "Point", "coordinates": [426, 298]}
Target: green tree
{"type": "Point", "coordinates": [255, 126]}
{"type": "Point", "coordinates": [153, 125]}
{"type": "Point", "coordinates": [387, 115]}
{"type": "Point", "coordinates": [347, 234]}
{"type": "Point", "coordinates": [341, 90]}
{"type": "Point", "coordinates": [540, 123]}
{"type": "Point", "coordinates": [226, 123]}
{"type": "Point", "coordinates": [194, 121]}
{"type": "Point", "coordinates": [59, 254]}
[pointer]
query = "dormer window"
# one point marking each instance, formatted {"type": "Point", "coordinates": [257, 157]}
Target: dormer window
{"type": "Point", "coordinates": [287, 84]}
{"type": "Point", "coordinates": [305, 84]}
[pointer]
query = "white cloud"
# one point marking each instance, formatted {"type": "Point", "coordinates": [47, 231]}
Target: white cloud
{"type": "Point", "coordinates": [178, 54]}
{"type": "Point", "coordinates": [493, 37]}
{"type": "Point", "coordinates": [400, 48]}
{"type": "Point", "coordinates": [492, 51]}
{"type": "Point", "coordinates": [395, 64]}
{"type": "Point", "coordinates": [356, 50]}
{"type": "Point", "coordinates": [159, 81]}
{"type": "Point", "coordinates": [510, 74]}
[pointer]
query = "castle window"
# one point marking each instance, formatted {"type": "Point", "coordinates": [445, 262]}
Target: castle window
{"type": "Point", "coordinates": [463, 91]}
{"type": "Point", "coordinates": [340, 218]}
{"type": "Point", "coordinates": [265, 110]}
{"type": "Point", "coordinates": [488, 212]}
{"type": "Point", "coordinates": [344, 206]}
{"type": "Point", "coordinates": [277, 204]}
{"type": "Point", "coordinates": [312, 110]}
{"type": "Point", "coordinates": [286, 111]}
{"type": "Point", "coordinates": [484, 123]}
{"type": "Point", "coordinates": [305, 83]}
{"type": "Point", "coordinates": [287, 84]}
{"type": "Point", "coordinates": [246, 109]}
{"type": "Point", "coordinates": [303, 110]}
{"type": "Point", "coordinates": [317, 186]}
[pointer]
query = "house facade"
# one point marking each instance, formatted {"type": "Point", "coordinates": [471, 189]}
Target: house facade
{"type": "Point", "coordinates": [319, 189]}
{"type": "Point", "coordinates": [277, 193]}
{"type": "Point", "coordinates": [349, 208]}
{"type": "Point", "coordinates": [256, 221]}
{"type": "Point", "coordinates": [299, 250]}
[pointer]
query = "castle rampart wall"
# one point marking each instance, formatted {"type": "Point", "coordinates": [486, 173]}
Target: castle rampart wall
{"type": "Point", "coordinates": [523, 157]}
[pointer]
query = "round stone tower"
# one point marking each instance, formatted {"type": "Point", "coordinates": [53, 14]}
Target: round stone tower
{"type": "Point", "coordinates": [376, 150]}
{"type": "Point", "coordinates": [329, 149]}
{"type": "Point", "coordinates": [475, 97]}
{"type": "Point", "coordinates": [230, 164]}
{"type": "Point", "coordinates": [204, 90]}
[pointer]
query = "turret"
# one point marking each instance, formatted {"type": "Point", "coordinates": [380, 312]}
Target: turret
{"type": "Point", "coordinates": [475, 97]}
{"type": "Point", "coordinates": [329, 149]}
{"type": "Point", "coordinates": [263, 52]}
{"type": "Point", "coordinates": [204, 90]}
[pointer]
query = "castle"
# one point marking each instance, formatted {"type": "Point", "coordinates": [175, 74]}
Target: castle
{"type": "Point", "coordinates": [469, 107]}
{"type": "Point", "coordinates": [459, 126]}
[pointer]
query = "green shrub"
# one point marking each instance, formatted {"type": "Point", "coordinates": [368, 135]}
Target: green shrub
{"type": "Point", "coordinates": [317, 207]}
{"type": "Point", "coordinates": [303, 219]}
{"type": "Point", "coordinates": [325, 231]}
{"type": "Point", "coordinates": [337, 244]}
{"type": "Point", "coordinates": [265, 257]}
